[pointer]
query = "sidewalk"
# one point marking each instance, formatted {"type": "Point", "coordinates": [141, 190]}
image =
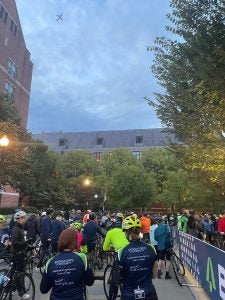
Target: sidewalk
{"type": "Point", "coordinates": [198, 292]}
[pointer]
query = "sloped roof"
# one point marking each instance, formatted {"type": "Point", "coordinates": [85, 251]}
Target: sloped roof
{"type": "Point", "coordinates": [112, 139]}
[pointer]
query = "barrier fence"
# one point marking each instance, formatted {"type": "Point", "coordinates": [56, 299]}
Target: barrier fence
{"type": "Point", "coordinates": [206, 263]}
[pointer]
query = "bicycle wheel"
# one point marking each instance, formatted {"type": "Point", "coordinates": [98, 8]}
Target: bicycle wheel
{"type": "Point", "coordinates": [43, 261]}
{"type": "Point", "coordinates": [4, 290]}
{"type": "Point", "coordinates": [91, 261]}
{"type": "Point", "coordinates": [178, 269]}
{"type": "Point", "coordinates": [29, 265]}
{"type": "Point", "coordinates": [99, 258]}
{"type": "Point", "coordinates": [107, 280]}
{"type": "Point", "coordinates": [28, 283]}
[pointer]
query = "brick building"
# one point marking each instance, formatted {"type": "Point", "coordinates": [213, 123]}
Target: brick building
{"type": "Point", "coordinates": [15, 64]}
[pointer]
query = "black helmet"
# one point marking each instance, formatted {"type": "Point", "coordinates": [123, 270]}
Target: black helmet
{"type": "Point", "coordinates": [49, 211]}
{"type": "Point", "coordinates": [92, 216]}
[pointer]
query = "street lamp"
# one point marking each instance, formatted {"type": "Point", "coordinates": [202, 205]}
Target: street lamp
{"type": "Point", "coordinates": [4, 141]}
{"type": "Point", "coordinates": [87, 184]}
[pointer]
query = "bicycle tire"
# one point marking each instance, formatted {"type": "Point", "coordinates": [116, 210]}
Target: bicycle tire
{"type": "Point", "coordinates": [107, 279]}
{"type": "Point", "coordinates": [29, 287]}
{"type": "Point", "coordinates": [4, 291]}
{"type": "Point", "coordinates": [178, 268]}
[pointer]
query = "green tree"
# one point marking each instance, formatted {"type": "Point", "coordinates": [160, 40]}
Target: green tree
{"type": "Point", "coordinates": [8, 111]}
{"type": "Point", "coordinates": [130, 187]}
{"type": "Point", "coordinates": [191, 70]}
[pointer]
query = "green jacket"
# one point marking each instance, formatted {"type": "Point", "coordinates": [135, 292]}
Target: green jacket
{"type": "Point", "coordinates": [115, 238]}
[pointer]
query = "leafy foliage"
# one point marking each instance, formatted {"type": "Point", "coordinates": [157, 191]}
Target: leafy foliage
{"type": "Point", "coordinates": [191, 70]}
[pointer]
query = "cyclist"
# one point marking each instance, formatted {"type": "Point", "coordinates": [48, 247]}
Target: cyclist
{"type": "Point", "coordinates": [67, 273]}
{"type": "Point", "coordinates": [46, 229]}
{"type": "Point", "coordinates": [184, 220]}
{"type": "Point", "coordinates": [145, 227]}
{"type": "Point", "coordinates": [162, 236]}
{"type": "Point", "coordinates": [57, 227]}
{"type": "Point", "coordinates": [138, 261]}
{"type": "Point", "coordinates": [90, 231]}
{"type": "Point", "coordinates": [80, 239]}
{"type": "Point", "coordinates": [18, 246]}
{"type": "Point", "coordinates": [115, 237]}
{"type": "Point", "coordinates": [86, 216]}
{"type": "Point", "coordinates": [32, 226]}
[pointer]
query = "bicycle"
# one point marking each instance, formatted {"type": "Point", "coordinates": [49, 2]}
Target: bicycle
{"type": "Point", "coordinates": [44, 257]}
{"type": "Point", "coordinates": [95, 256]}
{"type": "Point", "coordinates": [111, 281]}
{"type": "Point", "coordinates": [10, 279]}
{"type": "Point", "coordinates": [178, 267]}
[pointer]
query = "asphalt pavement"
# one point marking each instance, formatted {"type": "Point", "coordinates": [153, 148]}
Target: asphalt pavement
{"type": "Point", "coordinates": [166, 290]}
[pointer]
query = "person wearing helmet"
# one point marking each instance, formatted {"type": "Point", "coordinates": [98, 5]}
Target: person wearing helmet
{"type": "Point", "coordinates": [115, 237]}
{"type": "Point", "coordinates": [86, 216]}
{"type": "Point", "coordinates": [12, 221]}
{"type": "Point", "coordinates": [138, 261]}
{"type": "Point", "coordinates": [80, 239]}
{"type": "Point", "coordinates": [18, 246]}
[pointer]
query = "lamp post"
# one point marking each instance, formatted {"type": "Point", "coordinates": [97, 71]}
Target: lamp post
{"type": "Point", "coordinates": [87, 184]}
{"type": "Point", "coordinates": [4, 142]}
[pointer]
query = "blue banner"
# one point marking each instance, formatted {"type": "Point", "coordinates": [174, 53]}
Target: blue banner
{"type": "Point", "coordinates": [206, 263]}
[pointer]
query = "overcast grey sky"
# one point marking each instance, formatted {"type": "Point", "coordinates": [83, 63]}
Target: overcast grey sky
{"type": "Point", "coordinates": [91, 70]}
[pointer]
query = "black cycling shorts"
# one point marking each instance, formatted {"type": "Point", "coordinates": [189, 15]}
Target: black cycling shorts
{"type": "Point", "coordinates": [164, 254]}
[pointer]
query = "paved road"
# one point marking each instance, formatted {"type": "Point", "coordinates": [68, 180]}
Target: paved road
{"type": "Point", "coordinates": [166, 290]}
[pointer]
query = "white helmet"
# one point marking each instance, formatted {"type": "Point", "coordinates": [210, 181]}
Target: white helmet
{"type": "Point", "coordinates": [19, 214]}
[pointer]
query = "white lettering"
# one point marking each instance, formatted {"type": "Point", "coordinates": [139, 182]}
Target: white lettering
{"type": "Point", "coordinates": [221, 275]}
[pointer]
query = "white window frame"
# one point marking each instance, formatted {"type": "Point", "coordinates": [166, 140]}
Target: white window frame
{"type": "Point", "coordinates": [11, 91]}
{"type": "Point", "coordinates": [12, 70]}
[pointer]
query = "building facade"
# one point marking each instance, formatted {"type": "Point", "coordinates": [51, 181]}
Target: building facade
{"type": "Point", "coordinates": [99, 142]}
{"type": "Point", "coordinates": [15, 64]}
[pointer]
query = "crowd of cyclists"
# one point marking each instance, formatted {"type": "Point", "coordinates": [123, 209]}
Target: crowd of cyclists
{"type": "Point", "coordinates": [141, 244]}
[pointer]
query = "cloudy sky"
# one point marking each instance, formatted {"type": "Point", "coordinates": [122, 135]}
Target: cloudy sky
{"type": "Point", "coordinates": [91, 70]}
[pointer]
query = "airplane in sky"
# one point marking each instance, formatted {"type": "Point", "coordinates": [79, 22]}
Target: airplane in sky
{"type": "Point", "coordinates": [59, 17]}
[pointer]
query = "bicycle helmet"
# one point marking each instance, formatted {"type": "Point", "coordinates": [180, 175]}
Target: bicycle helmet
{"type": "Point", "coordinates": [131, 222]}
{"type": "Point", "coordinates": [50, 210]}
{"type": "Point", "coordinates": [19, 214]}
{"type": "Point", "coordinates": [92, 216]}
{"type": "Point", "coordinates": [76, 225]}
{"type": "Point", "coordinates": [2, 219]}
{"type": "Point", "coordinates": [120, 215]}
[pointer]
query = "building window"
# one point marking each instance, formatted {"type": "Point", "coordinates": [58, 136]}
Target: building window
{"type": "Point", "coordinates": [63, 143]}
{"type": "Point", "coordinates": [15, 30]}
{"type": "Point", "coordinates": [5, 17]}
{"type": "Point", "coordinates": [11, 26]}
{"type": "Point", "coordinates": [139, 140]}
{"type": "Point", "coordinates": [137, 154]}
{"type": "Point", "coordinates": [2, 12]}
{"type": "Point", "coordinates": [10, 90]}
{"type": "Point", "coordinates": [100, 142]}
{"type": "Point", "coordinates": [12, 69]}
{"type": "Point", "coordinates": [97, 155]}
